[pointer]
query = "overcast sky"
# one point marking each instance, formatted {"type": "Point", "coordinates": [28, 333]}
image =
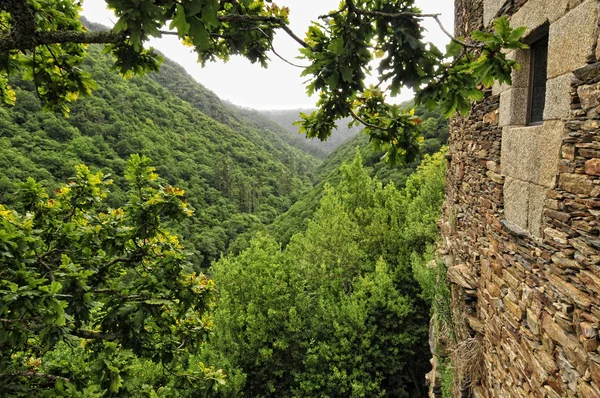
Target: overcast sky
{"type": "Point", "coordinates": [280, 86]}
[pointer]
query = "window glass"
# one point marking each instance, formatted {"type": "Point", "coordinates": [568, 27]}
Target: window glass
{"type": "Point", "coordinates": [539, 67]}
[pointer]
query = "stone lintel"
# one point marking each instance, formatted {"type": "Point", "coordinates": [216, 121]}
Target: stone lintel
{"type": "Point", "coordinates": [535, 13]}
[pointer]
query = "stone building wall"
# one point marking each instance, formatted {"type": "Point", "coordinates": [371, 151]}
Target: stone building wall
{"type": "Point", "coordinates": [521, 220]}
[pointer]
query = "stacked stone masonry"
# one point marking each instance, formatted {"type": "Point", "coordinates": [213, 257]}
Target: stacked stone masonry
{"type": "Point", "coordinates": [521, 220]}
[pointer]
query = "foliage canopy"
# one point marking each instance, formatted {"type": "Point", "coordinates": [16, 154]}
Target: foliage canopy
{"type": "Point", "coordinates": [338, 312]}
{"type": "Point", "coordinates": [44, 41]}
{"type": "Point", "coordinates": [114, 284]}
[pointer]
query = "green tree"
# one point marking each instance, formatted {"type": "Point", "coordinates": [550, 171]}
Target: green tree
{"type": "Point", "coordinates": [43, 41]}
{"type": "Point", "coordinates": [113, 284]}
{"type": "Point", "coordinates": [338, 313]}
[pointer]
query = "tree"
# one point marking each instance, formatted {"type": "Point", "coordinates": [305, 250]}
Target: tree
{"type": "Point", "coordinates": [338, 312]}
{"type": "Point", "coordinates": [114, 285]}
{"type": "Point", "coordinates": [44, 41]}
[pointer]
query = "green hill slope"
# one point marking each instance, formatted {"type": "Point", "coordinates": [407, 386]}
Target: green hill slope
{"type": "Point", "coordinates": [341, 134]}
{"type": "Point", "coordinates": [236, 175]}
{"type": "Point", "coordinates": [435, 135]}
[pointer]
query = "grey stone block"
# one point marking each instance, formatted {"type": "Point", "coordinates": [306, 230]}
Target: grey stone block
{"type": "Point", "coordinates": [516, 199]}
{"type": "Point", "coordinates": [513, 107]}
{"type": "Point", "coordinates": [558, 99]}
{"type": "Point", "coordinates": [537, 198]}
{"type": "Point", "coordinates": [535, 13]}
{"type": "Point", "coordinates": [572, 39]}
{"type": "Point", "coordinates": [490, 10]}
{"type": "Point", "coordinates": [532, 153]}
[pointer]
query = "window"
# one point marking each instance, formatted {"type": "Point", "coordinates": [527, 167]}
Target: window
{"type": "Point", "coordinates": [537, 81]}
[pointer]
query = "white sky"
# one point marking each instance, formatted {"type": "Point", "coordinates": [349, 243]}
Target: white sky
{"type": "Point", "coordinates": [280, 86]}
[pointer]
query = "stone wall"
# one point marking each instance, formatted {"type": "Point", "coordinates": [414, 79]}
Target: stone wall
{"type": "Point", "coordinates": [525, 272]}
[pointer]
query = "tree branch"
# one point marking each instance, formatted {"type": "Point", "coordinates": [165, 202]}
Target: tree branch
{"type": "Point", "coordinates": [258, 18]}
{"type": "Point", "coordinates": [91, 335]}
{"type": "Point", "coordinates": [334, 13]}
{"type": "Point", "coordinates": [452, 37]}
{"type": "Point", "coordinates": [396, 15]}
{"type": "Point", "coordinates": [277, 54]}
{"type": "Point", "coordinates": [364, 122]}
{"type": "Point", "coordinates": [35, 375]}
{"type": "Point", "coordinates": [106, 266]}
{"type": "Point", "coordinates": [23, 35]}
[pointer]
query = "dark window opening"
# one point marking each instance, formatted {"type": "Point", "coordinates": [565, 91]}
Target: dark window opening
{"type": "Point", "coordinates": [537, 81]}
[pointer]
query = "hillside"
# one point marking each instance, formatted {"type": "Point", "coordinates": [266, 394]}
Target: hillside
{"type": "Point", "coordinates": [237, 175]}
{"type": "Point", "coordinates": [435, 135]}
{"type": "Point", "coordinates": [341, 134]}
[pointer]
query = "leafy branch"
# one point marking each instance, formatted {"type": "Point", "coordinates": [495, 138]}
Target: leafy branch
{"type": "Point", "coordinates": [50, 45]}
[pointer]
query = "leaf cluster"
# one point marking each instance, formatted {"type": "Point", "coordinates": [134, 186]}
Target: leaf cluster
{"type": "Point", "coordinates": [338, 312]}
{"type": "Point", "coordinates": [114, 281]}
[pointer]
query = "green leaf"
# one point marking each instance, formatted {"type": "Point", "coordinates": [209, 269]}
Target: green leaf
{"type": "Point", "coordinates": [193, 7]}
{"type": "Point", "coordinates": [336, 45]}
{"type": "Point", "coordinates": [209, 16]}
{"type": "Point", "coordinates": [346, 73]}
{"type": "Point", "coordinates": [502, 26]}
{"type": "Point", "coordinates": [517, 33]}
{"type": "Point", "coordinates": [121, 25]}
{"type": "Point", "coordinates": [199, 35]}
{"type": "Point", "coordinates": [453, 49]}
{"type": "Point", "coordinates": [475, 94]}
{"type": "Point", "coordinates": [179, 22]}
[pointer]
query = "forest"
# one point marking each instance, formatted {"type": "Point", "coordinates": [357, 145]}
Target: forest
{"type": "Point", "coordinates": [158, 242]}
{"type": "Point", "coordinates": [304, 265]}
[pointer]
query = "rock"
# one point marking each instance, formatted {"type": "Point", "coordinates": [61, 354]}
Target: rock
{"type": "Point", "coordinates": [585, 390]}
{"type": "Point", "coordinates": [589, 95]}
{"type": "Point", "coordinates": [587, 330]}
{"type": "Point", "coordinates": [568, 152]}
{"type": "Point", "coordinates": [513, 309]}
{"type": "Point", "coordinates": [462, 276]}
{"type": "Point", "coordinates": [588, 72]}
{"type": "Point", "coordinates": [567, 341]}
{"type": "Point", "coordinates": [570, 291]}
{"type": "Point", "coordinates": [495, 177]}
{"type": "Point", "coordinates": [595, 371]}
{"type": "Point", "coordinates": [491, 117]}
{"type": "Point", "coordinates": [589, 153]}
{"type": "Point", "coordinates": [492, 166]}
{"type": "Point", "coordinates": [592, 167]}
{"type": "Point", "coordinates": [556, 235]}
{"type": "Point", "coordinates": [590, 345]}
{"type": "Point", "coordinates": [557, 215]}
{"type": "Point", "coordinates": [591, 281]}
{"type": "Point", "coordinates": [576, 183]}
{"type": "Point", "coordinates": [563, 262]}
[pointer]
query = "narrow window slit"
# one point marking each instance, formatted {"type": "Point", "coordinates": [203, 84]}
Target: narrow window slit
{"type": "Point", "coordinates": [537, 81]}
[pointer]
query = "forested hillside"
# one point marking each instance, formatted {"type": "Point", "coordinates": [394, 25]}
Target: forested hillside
{"type": "Point", "coordinates": [338, 313]}
{"type": "Point", "coordinates": [342, 133]}
{"type": "Point", "coordinates": [237, 175]}
{"type": "Point", "coordinates": [435, 135]}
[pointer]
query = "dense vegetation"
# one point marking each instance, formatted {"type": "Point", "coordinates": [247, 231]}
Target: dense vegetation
{"type": "Point", "coordinates": [44, 42]}
{"type": "Point", "coordinates": [236, 175]}
{"type": "Point", "coordinates": [435, 135]}
{"type": "Point", "coordinates": [92, 297]}
{"type": "Point", "coordinates": [338, 313]}
{"type": "Point", "coordinates": [101, 278]}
